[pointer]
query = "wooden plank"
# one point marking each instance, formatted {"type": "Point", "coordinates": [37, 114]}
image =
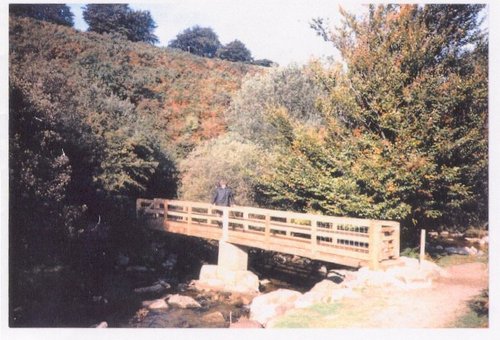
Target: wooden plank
{"type": "Point", "coordinates": [375, 245]}
{"type": "Point", "coordinates": [381, 246]}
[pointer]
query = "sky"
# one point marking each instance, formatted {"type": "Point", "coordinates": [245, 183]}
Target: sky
{"type": "Point", "coordinates": [277, 30]}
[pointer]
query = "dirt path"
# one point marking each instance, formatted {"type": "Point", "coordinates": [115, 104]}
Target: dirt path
{"type": "Point", "coordinates": [435, 307]}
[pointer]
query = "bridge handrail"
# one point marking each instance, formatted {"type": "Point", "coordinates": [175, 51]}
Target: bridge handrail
{"type": "Point", "coordinates": [367, 240]}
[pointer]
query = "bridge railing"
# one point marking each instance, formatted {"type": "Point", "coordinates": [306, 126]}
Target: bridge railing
{"type": "Point", "coordinates": [348, 241]}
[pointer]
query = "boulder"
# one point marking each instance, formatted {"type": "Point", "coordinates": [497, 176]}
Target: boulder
{"type": "Point", "coordinates": [323, 270]}
{"type": "Point", "coordinates": [268, 306]}
{"type": "Point", "coordinates": [339, 276]}
{"type": "Point", "coordinates": [471, 251]}
{"type": "Point", "coordinates": [181, 301]}
{"type": "Point", "coordinates": [454, 250]}
{"type": "Point", "coordinates": [213, 277]}
{"type": "Point", "coordinates": [322, 292]}
{"type": "Point", "coordinates": [240, 299]}
{"type": "Point", "coordinates": [214, 319]}
{"type": "Point", "coordinates": [157, 304]}
{"type": "Point", "coordinates": [264, 282]}
{"type": "Point", "coordinates": [372, 278]}
{"type": "Point", "coordinates": [103, 324]}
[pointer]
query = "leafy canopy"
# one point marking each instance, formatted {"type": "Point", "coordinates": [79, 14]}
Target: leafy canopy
{"type": "Point", "coordinates": [56, 13]}
{"type": "Point", "coordinates": [235, 51]}
{"type": "Point", "coordinates": [120, 19]}
{"type": "Point", "coordinates": [202, 41]}
{"type": "Point", "coordinates": [406, 122]}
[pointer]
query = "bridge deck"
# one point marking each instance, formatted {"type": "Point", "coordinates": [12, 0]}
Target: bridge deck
{"type": "Point", "coordinates": [348, 241]}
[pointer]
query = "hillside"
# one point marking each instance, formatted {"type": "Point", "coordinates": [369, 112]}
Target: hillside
{"type": "Point", "coordinates": [95, 122]}
{"type": "Point", "coordinates": [185, 95]}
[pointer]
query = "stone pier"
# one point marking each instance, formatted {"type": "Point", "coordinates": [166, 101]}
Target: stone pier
{"type": "Point", "coordinates": [232, 257]}
{"type": "Point", "coordinates": [230, 273]}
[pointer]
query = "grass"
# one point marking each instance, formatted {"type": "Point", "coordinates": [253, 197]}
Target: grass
{"type": "Point", "coordinates": [311, 317]}
{"type": "Point", "coordinates": [477, 314]}
{"type": "Point", "coordinates": [472, 320]}
{"type": "Point", "coordinates": [451, 260]}
{"type": "Point", "coordinates": [349, 313]}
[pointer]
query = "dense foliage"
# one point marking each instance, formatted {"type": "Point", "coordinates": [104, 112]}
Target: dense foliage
{"type": "Point", "coordinates": [202, 41]}
{"type": "Point", "coordinates": [228, 157]}
{"type": "Point", "coordinates": [96, 122]}
{"type": "Point", "coordinates": [234, 51]}
{"type": "Point", "coordinates": [406, 132]}
{"type": "Point", "coordinates": [56, 13]}
{"type": "Point", "coordinates": [293, 90]}
{"type": "Point", "coordinates": [120, 19]}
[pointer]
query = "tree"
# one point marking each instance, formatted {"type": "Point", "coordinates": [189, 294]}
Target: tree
{"type": "Point", "coordinates": [406, 132]}
{"type": "Point", "coordinates": [235, 51]}
{"type": "Point", "coordinates": [120, 19]}
{"type": "Point", "coordinates": [56, 13]}
{"type": "Point", "coordinates": [240, 162]}
{"type": "Point", "coordinates": [202, 41]}
{"type": "Point", "coordinates": [292, 89]}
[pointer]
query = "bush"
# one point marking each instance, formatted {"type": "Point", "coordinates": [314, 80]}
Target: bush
{"type": "Point", "coordinates": [292, 89]}
{"type": "Point", "coordinates": [239, 162]}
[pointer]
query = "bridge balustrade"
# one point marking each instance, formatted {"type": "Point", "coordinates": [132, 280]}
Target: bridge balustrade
{"type": "Point", "coordinates": [348, 241]}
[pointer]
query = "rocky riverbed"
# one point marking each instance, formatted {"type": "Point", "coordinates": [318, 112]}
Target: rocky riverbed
{"type": "Point", "coordinates": [154, 286]}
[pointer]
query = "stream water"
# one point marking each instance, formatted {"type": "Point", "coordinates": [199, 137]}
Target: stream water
{"type": "Point", "coordinates": [64, 297]}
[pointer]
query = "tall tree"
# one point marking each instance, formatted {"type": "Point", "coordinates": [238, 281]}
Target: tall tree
{"type": "Point", "coordinates": [56, 13]}
{"type": "Point", "coordinates": [119, 18]}
{"type": "Point", "coordinates": [202, 41]}
{"type": "Point", "coordinates": [235, 51]}
{"type": "Point", "coordinates": [406, 132]}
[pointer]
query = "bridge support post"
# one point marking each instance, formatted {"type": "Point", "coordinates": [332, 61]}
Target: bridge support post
{"type": "Point", "coordinates": [225, 223]}
{"type": "Point", "coordinates": [232, 257]}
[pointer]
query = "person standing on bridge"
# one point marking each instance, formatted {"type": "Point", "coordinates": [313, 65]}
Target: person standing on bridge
{"type": "Point", "coordinates": [223, 195]}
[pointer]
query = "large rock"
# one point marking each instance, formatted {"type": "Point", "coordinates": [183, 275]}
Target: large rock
{"type": "Point", "coordinates": [155, 304]}
{"type": "Point", "coordinates": [215, 319]}
{"type": "Point", "coordinates": [325, 291]}
{"type": "Point", "coordinates": [213, 277]}
{"type": "Point", "coordinates": [373, 278]}
{"type": "Point", "coordinates": [411, 274]}
{"type": "Point", "coordinates": [268, 306]}
{"type": "Point", "coordinates": [103, 324]}
{"type": "Point", "coordinates": [181, 301]}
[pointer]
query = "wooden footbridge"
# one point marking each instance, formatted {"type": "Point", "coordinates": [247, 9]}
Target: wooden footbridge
{"type": "Point", "coordinates": [348, 241]}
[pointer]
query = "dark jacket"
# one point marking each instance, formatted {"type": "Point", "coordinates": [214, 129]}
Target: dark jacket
{"type": "Point", "coordinates": [223, 197]}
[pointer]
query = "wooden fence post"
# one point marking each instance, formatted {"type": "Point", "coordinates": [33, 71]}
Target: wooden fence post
{"type": "Point", "coordinates": [225, 223]}
{"type": "Point", "coordinates": [375, 244]}
{"type": "Point", "coordinates": [165, 213]}
{"type": "Point", "coordinates": [267, 230]}
{"type": "Point", "coordinates": [189, 218]}
{"type": "Point", "coordinates": [422, 246]}
{"type": "Point", "coordinates": [314, 237]}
